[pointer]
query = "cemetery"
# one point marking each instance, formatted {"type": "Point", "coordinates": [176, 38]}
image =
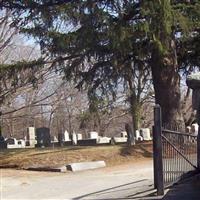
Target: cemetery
{"type": "Point", "coordinates": [100, 99]}
{"type": "Point", "coordinates": [40, 138]}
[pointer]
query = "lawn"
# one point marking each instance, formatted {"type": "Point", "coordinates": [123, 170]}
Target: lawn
{"type": "Point", "coordinates": [112, 155]}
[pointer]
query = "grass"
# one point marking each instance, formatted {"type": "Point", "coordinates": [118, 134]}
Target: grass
{"type": "Point", "coordinates": [112, 155]}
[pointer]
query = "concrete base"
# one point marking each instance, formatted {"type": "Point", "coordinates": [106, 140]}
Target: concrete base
{"type": "Point", "coordinates": [103, 140]}
{"type": "Point", "coordinates": [85, 166]}
{"type": "Point", "coordinates": [118, 140]}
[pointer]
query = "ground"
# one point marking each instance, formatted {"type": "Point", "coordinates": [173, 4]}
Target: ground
{"type": "Point", "coordinates": [126, 181]}
{"type": "Point", "coordinates": [129, 173]}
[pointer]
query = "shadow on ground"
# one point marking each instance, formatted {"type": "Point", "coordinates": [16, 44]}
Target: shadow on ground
{"type": "Point", "coordinates": [133, 190]}
{"type": "Point", "coordinates": [189, 190]}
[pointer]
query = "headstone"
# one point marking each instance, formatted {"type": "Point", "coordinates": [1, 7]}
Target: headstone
{"type": "Point", "coordinates": [188, 129]}
{"type": "Point", "coordinates": [93, 135]}
{"type": "Point", "coordinates": [66, 136]}
{"type": "Point", "coordinates": [118, 140]}
{"type": "Point", "coordinates": [138, 136]}
{"type": "Point", "coordinates": [55, 139]}
{"type": "Point", "coordinates": [103, 140]}
{"type": "Point", "coordinates": [12, 143]}
{"type": "Point", "coordinates": [30, 137]}
{"type": "Point", "coordinates": [21, 143]}
{"type": "Point", "coordinates": [85, 165]}
{"type": "Point", "coordinates": [123, 134]}
{"type": "Point", "coordinates": [194, 129]}
{"type": "Point", "coordinates": [145, 133]}
{"type": "Point", "coordinates": [43, 137]}
{"type": "Point", "coordinates": [74, 138]}
{"type": "Point", "coordinates": [3, 144]}
{"type": "Point", "coordinates": [79, 136]}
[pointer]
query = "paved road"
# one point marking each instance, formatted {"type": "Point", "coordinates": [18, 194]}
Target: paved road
{"type": "Point", "coordinates": [122, 182]}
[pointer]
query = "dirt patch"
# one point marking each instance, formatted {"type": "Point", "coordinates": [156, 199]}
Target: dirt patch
{"type": "Point", "coordinates": [112, 155]}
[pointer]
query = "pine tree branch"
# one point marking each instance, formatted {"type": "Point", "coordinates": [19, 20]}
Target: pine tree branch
{"type": "Point", "coordinates": [21, 5]}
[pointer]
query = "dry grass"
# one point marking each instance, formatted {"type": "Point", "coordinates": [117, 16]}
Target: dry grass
{"type": "Point", "coordinates": [112, 155]}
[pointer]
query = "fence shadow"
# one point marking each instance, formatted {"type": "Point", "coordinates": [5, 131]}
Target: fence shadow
{"type": "Point", "coordinates": [185, 189]}
{"type": "Point", "coordinates": [123, 192]}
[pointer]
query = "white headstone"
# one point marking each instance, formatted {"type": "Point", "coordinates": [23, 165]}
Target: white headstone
{"type": "Point", "coordinates": [103, 140]}
{"type": "Point", "coordinates": [31, 136]}
{"type": "Point", "coordinates": [194, 129]}
{"type": "Point", "coordinates": [138, 136]}
{"type": "Point", "coordinates": [188, 129]}
{"type": "Point", "coordinates": [13, 143]}
{"type": "Point", "coordinates": [123, 134]}
{"type": "Point", "coordinates": [66, 136]}
{"type": "Point", "coordinates": [120, 139]}
{"type": "Point", "coordinates": [93, 135]}
{"type": "Point", "coordinates": [74, 138]}
{"type": "Point", "coordinates": [79, 136]}
{"type": "Point", "coordinates": [21, 144]}
{"type": "Point", "coordinates": [145, 133]}
{"type": "Point", "coordinates": [31, 133]}
{"type": "Point", "coordinates": [85, 165]}
{"type": "Point", "coordinates": [55, 139]}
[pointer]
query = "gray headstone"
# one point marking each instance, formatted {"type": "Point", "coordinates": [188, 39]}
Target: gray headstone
{"type": "Point", "coordinates": [3, 144]}
{"type": "Point", "coordinates": [43, 137]}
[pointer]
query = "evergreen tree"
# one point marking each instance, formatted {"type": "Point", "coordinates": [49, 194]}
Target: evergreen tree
{"type": "Point", "coordinates": [107, 40]}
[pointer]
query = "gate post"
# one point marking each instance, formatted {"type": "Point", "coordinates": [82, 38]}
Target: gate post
{"type": "Point", "coordinates": [198, 140]}
{"type": "Point", "coordinates": [193, 82]}
{"type": "Point", "coordinates": [157, 151]}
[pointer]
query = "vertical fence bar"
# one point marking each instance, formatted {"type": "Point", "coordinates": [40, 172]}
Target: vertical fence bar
{"type": "Point", "coordinates": [198, 149]}
{"type": "Point", "coordinates": [154, 159]}
{"type": "Point", "coordinates": [198, 139]}
{"type": "Point", "coordinates": [157, 144]}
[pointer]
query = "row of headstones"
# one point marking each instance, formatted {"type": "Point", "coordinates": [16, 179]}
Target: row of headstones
{"type": "Point", "coordinates": [142, 134]}
{"type": "Point", "coordinates": [40, 137]}
{"type": "Point", "coordinates": [32, 139]}
{"type": "Point", "coordinates": [193, 129]}
{"type": "Point", "coordinates": [11, 143]}
{"type": "Point", "coordinates": [74, 139]}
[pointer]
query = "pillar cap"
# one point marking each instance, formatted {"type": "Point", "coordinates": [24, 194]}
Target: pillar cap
{"type": "Point", "coordinates": [193, 81]}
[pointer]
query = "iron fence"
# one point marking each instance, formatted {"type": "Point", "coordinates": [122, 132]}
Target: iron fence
{"type": "Point", "coordinates": [179, 155]}
{"type": "Point", "coordinates": [176, 153]}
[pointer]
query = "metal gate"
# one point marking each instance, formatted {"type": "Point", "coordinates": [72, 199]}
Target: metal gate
{"type": "Point", "coordinates": [175, 153]}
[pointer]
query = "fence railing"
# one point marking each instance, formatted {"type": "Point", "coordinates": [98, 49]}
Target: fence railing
{"type": "Point", "coordinates": [179, 155]}
{"type": "Point", "coordinates": [175, 153]}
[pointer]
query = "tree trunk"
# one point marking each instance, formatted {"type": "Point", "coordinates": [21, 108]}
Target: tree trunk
{"type": "Point", "coordinates": [166, 82]}
{"type": "Point", "coordinates": [136, 115]}
{"type": "Point", "coordinates": [130, 135]}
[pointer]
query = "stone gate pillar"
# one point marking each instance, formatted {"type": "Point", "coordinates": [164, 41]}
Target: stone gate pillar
{"type": "Point", "coordinates": [193, 82]}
